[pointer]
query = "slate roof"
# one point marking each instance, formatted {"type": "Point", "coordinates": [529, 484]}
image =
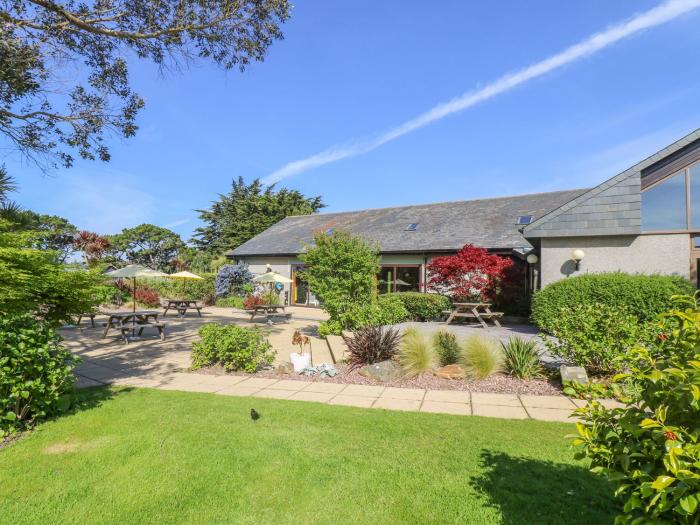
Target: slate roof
{"type": "Point", "coordinates": [611, 208]}
{"type": "Point", "coordinates": [442, 227]}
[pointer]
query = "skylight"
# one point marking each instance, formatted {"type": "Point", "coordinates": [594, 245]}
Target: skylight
{"type": "Point", "coordinates": [524, 219]}
{"type": "Point", "coordinates": [329, 231]}
{"type": "Point", "coordinates": [412, 227]}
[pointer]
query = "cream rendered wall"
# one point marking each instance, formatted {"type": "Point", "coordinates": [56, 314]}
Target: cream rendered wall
{"type": "Point", "coordinates": [281, 265]}
{"type": "Point", "coordinates": [657, 253]}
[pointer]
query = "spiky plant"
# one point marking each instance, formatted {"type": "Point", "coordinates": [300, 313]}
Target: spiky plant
{"type": "Point", "coordinates": [371, 345]}
{"type": "Point", "coordinates": [481, 356]}
{"type": "Point", "coordinates": [416, 354]}
{"type": "Point", "coordinates": [446, 347]}
{"type": "Point", "coordinates": [521, 358]}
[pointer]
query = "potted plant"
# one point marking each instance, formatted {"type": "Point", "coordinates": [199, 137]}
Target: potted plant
{"type": "Point", "coordinates": [301, 360]}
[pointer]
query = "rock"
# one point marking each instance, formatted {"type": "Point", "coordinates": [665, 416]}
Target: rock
{"type": "Point", "coordinates": [382, 372]}
{"type": "Point", "coordinates": [451, 372]}
{"type": "Point", "coordinates": [284, 369]}
{"type": "Point", "coordinates": [573, 373]}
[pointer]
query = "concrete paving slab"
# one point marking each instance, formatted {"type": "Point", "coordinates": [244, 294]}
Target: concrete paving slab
{"type": "Point", "coordinates": [86, 382]}
{"type": "Point", "coordinates": [441, 407]}
{"type": "Point", "coordinates": [319, 397]}
{"type": "Point", "coordinates": [607, 403]}
{"type": "Point", "coordinates": [546, 402]}
{"type": "Point", "coordinates": [508, 400]}
{"type": "Point", "coordinates": [326, 388]}
{"type": "Point", "coordinates": [273, 393]}
{"type": "Point", "coordinates": [362, 390]}
{"type": "Point", "coordinates": [448, 396]}
{"type": "Point", "coordinates": [502, 411]}
{"type": "Point", "coordinates": [258, 382]}
{"type": "Point", "coordinates": [416, 394]}
{"type": "Point", "coordinates": [290, 384]}
{"type": "Point", "coordinates": [239, 390]}
{"type": "Point", "coordinates": [352, 401]}
{"type": "Point", "coordinates": [388, 403]}
{"type": "Point", "coordinates": [551, 414]}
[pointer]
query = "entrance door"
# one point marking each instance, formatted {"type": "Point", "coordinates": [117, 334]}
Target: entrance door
{"type": "Point", "coordinates": [300, 293]}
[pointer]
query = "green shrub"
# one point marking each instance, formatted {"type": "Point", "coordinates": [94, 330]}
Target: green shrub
{"type": "Point", "coordinates": [195, 289]}
{"type": "Point", "coordinates": [481, 356]}
{"type": "Point", "coordinates": [651, 448]}
{"type": "Point", "coordinates": [595, 336]}
{"type": "Point", "coordinates": [330, 327]}
{"type": "Point", "coordinates": [36, 373]}
{"type": "Point", "coordinates": [520, 358]}
{"type": "Point", "coordinates": [645, 296]}
{"type": "Point", "coordinates": [416, 355]}
{"type": "Point", "coordinates": [446, 347]}
{"type": "Point", "coordinates": [233, 347]}
{"type": "Point", "coordinates": [371, 345]}
{"type": "Point", "coordinates": [232, 301]}
{"type": "Point", "coordinates": [423, 306]}
{"type": "Point", "coordinates": [386, 310]}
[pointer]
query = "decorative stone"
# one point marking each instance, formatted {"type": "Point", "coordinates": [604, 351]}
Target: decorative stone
{"type": "Point", "coordinates": [573, 373]}
{"type": "Point", "coordinates": [451, 372]}
{"type": "Point", "coordinates": [284, 369]}
{"type": "Point", "coordinates": [382, 372]}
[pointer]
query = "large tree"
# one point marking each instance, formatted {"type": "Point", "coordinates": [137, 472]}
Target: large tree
{"type": "Point", "coordinates": [247, 210]}
{"type": "Point", "coordinates": [148, 245]}
{"type": "Point", "coordinates": [64, 80]}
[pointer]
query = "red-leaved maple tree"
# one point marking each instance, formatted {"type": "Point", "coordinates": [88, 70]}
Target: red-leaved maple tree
{"type": "Point", "coordinates": [472, 273]}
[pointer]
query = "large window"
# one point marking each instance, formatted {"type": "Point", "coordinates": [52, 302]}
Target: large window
{"type": "Point", "coordinates": [664, 205]}
{"type": "Point", "coordinates": [398, 279]}
{"type": "Point", "coordinates": [694, 189]}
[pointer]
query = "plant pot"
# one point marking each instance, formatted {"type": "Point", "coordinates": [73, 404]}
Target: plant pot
{"type": "Point", "coordinates": [300, 361]}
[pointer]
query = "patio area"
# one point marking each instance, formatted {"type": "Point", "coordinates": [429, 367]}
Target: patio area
{"type": "Point", "coordinates": [152, 363]}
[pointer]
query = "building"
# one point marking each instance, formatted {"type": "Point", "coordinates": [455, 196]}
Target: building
{"type": "Point", "coordinates": [643, 220]}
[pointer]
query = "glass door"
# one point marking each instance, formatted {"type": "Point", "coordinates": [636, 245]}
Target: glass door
{"type": "Point", "coordinates": [695, 260]}
{"type": "Point", "coordinates": [300, 293]}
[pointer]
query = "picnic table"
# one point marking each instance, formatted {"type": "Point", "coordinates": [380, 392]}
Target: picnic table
{"type": "Point", "coordinates": [125, 322]}
{"type": "Point", "coordinates": [269, 310]}
{"type": "Point", "coordinates": [480, 312]}
{"type": "Point", "coordinates": [181, 305]}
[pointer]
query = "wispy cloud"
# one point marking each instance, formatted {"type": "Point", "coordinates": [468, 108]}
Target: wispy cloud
{"type": "Point", "coordinates": [177, 222]}
{"type": "Point", "coordinates": [664, 12]}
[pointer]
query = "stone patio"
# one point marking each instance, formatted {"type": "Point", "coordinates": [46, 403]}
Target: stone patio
{"type": "Point", "coordinates": [152, 363]}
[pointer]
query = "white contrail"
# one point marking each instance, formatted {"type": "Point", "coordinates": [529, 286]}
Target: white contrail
{"type": "Point", "coordinates": [663, 13]}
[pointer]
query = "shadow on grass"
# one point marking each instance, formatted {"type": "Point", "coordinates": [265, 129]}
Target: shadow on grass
{"type": "Point", "coordinates": [93, 397]}
{"type": "Point", "coordinates": [527, 490]}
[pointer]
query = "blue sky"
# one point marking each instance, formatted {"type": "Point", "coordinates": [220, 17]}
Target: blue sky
{"type": "Point", "coordinates": [350, 71]}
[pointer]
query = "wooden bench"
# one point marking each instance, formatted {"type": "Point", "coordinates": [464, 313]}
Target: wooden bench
{"type": "Point", "coordinates": [478, 311]}
{"type": "Point", "coordinates": [90, 315]}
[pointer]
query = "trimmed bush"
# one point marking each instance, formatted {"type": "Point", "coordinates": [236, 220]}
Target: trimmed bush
{"type": "Point", "coordinates": [423, 306]}
{"type": "Point", "coordinates": [371, 345]}
{"type": "Point", "coordinates": [416, 354]}
{"type": "Point", "coordinates": [650, 450]}
{"type": "Point", "coordinates": [446, 347]}
{"type": "Point", "coordinates": [36, 373]}
{"type": "Point", "coordinates": [596, 336]}
{"type": "Point", "coordinates": [644, 296]}
{"type": "Point", "coordinates": [387, 310]}
{"type": "Point", "coordinates": [520, 358]}
{"type": "Point", "coordinates": [233, 347]}
{"type": "Point", "coordinates": [232, 301]}
{"type": "Point", "coordinates": [195, 289]}
{"type": "Point", "coordinates": [481, 356]}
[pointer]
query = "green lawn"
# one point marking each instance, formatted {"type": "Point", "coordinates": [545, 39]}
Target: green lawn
{"type": "Point", "coordinates": [147, 456]}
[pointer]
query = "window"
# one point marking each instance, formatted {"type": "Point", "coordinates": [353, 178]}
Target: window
{"type": "Point", "coordinates": [694, 190]}
{"type": "Point", "coordinates": [398, 279]}
{"type": "Point", "coordinates": [412, 227]}
{"type": "Point", "coordinates": [329, 231]}
{"type": "Point", "coordinates": [664, 205]}
{"type": "Point", "coordinates": [524, 219]}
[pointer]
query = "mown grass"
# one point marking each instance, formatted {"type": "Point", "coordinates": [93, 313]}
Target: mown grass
{"type": "Point", "coordinates": [147, 456]}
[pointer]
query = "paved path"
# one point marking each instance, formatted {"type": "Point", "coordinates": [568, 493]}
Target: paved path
{"type": "Point", "coordinates": [545, 408]}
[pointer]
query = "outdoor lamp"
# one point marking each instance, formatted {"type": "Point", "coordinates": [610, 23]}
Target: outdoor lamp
{"type": "Point", "coordinates": [532, 259]}
{"type": "Point", "coordinates": [577, 255]}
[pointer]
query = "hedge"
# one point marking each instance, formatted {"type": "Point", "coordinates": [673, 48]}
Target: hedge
{"type": "Point", "coordinates": [644, 296]}
{"type": "Point", "coordinates": [171, 288]}
{"type": "Point", "coordinates": [423, 306]}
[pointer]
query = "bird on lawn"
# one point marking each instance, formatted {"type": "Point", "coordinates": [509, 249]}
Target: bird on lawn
{"type": "Point", "coordinates": [254, 415]}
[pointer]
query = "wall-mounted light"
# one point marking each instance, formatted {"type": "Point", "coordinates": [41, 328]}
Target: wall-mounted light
{"type": "Point", "coordinates": [532, 259]}
{"type": "Point", "coordinates": [577, 255]}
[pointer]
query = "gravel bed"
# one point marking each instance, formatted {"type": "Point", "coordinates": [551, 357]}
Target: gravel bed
{"type": "Point", "coordinates": [496, 384]}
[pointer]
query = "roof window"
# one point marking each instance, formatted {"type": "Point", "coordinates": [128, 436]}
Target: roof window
{"type": "Point", "coordinates": [524, 219]}
{"type": "Point", "coordinates": [412, 227]}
